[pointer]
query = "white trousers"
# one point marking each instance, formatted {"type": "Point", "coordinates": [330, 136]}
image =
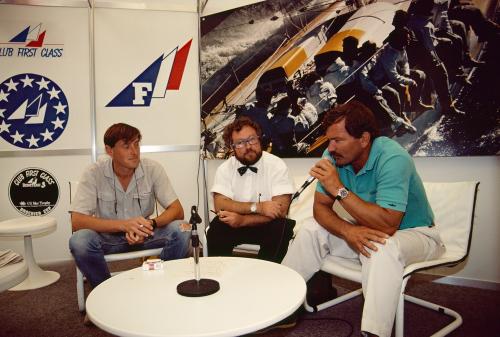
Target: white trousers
{"type": "Point", "coordinates": [382, 273]}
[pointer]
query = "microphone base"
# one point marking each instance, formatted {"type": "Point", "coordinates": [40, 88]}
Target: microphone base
{"type": "Point", "coordinates": [193, 288]}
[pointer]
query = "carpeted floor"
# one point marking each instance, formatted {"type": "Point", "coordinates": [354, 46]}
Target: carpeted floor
{"type": "Point", "coordinates": [52, 311]}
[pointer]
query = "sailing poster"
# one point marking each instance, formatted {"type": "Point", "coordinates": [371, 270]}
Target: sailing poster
{"type": "Point", "coordinates": [285, 63]}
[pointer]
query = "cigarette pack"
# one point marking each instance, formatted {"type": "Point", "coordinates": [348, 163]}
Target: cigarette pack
{"type": "Point", "coordinates": [152, 264]}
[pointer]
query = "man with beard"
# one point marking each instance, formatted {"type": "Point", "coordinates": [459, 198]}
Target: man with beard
{"type": "Point", "coordinates": [251, 194]}
{"type": "Point", "coordinates": [115, 198]}
{"type": "Point", "coordinates": [374, 179]}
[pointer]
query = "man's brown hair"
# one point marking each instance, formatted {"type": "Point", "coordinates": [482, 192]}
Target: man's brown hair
{"type": "Point", "coordinates": [121, 131]}
{"type": "Point", "coordinates": [358, 119]}
{"type": "Point", "coordinates": [237, 125]}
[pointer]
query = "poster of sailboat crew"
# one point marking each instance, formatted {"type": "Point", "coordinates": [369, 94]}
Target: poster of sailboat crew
{"type": "Point", "coordinates": [428, 69]}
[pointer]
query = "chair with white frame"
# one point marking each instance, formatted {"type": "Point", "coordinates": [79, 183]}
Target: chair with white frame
{"type": "Point", "coordinates": [73, 186]}
{"type": "Point", "coordinates": [453, 204]}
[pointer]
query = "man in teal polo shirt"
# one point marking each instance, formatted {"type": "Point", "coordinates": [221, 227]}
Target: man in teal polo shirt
{"type": "Point", "coordinates": [389, 220]}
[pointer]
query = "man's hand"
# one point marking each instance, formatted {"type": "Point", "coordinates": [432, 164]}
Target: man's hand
{"type": "Point", "coordinates": [139, 226]}
{"type": "Point", "coordinates": [133, 238]}
{"type": "Point", "coordinates": [233, 219]}
{"type": "Point", "coordinates": [271, 209]}
{"type": "Point", "coordinates": [361, 238]}
{"type": "Point", "coordinates": [327, 175]}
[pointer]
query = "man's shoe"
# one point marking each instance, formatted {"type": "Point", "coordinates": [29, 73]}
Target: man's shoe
{"type": "Point", "coordinates": [320, 289]}
{"type": "Point", "coordinates": [286, 323]}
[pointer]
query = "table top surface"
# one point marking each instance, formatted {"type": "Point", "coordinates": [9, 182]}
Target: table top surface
{"type": "Point", "coordinates": [253, 295]}
{"type": "Point", "coordinates": [27, 225]}
{"type": "Point", "coordinates": [12, 274]}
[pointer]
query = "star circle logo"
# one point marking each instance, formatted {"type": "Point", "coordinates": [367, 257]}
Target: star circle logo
{"type": "Point", "coordinates": [33, 111]}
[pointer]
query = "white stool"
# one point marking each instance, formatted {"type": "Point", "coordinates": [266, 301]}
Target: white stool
{"type": "Point", "coordinates": [28, 226]}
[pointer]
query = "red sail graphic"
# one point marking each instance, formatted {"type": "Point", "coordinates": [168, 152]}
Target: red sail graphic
{"type": "Point", "coordinates": [174, 81]}
{"type": "Point", "coordinates": [37, 43]}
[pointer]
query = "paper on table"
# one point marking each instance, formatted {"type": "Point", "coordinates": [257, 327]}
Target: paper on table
{"type": "Point", "coordinates": [9, 257]}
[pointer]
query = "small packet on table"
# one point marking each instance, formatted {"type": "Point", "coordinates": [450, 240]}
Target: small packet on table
{"type": "Point", "coordinates": [152, 264]}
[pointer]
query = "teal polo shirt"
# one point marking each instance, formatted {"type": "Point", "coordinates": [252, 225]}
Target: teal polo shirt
{"type": "Point", "coordinates": [389, 179]}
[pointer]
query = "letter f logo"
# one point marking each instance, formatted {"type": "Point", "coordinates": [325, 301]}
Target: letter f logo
{"type": "Point", "coordinates": [140, 90]}
{"type": "Point", "coordinates": [165, 73]}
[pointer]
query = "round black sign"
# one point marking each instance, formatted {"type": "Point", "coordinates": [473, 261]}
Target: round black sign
{"type": "Point", "coordinates": [34, 191]}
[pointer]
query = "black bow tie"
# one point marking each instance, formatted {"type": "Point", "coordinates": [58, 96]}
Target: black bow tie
{"type": "Point", "coordinates": [243, 169]}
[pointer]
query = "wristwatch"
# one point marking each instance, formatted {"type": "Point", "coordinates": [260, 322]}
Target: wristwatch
{"type": "Point", "coordinates": [153, 223]}
{"type": "Point", "coordinates": [342, 193]}
{"type": "Point", "coordinates": [253, 208]}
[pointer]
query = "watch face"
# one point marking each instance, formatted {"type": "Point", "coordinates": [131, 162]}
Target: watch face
{"type": "Point", "coordinates": [342, 193]}
{"type": "Point", "coordinates": [253, 208]}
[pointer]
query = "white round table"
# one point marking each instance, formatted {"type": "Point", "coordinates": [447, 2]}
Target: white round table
{"type": "Point", "coordinates": [12, 274]}
{"type": "Point", "coordinates": [26, 227]}
{"type": "Point", "coordinates": [253, 294]}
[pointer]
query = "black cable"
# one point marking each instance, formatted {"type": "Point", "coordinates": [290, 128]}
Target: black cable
{"type": "Point", "coordinates": [201, 163]}
{"type": "Point", "coordinates": [138, 194]}
{"type": "Point", "coordinates": [282, 237]}
{"type": "Point", "coordinates": [198, 181]}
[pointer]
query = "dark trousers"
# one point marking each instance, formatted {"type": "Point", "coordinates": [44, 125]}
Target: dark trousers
{"type": "Point", "coordinates": [450, 51]}
{"type": "Point", "coordinates": [435, 70]}
{"type": "Point", "coordinates": [415, 92]}
{"type": "Point", "coordinates": [272, 237]}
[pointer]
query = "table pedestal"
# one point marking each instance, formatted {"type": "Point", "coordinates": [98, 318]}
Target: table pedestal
{"type": "Point", "coordinates": [37, 277]}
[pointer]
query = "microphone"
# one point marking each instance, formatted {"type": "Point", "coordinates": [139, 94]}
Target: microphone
{"type": "Point", "coordinates": [198, 286]}
{"type": "Point", "coordinates": [303, 187]}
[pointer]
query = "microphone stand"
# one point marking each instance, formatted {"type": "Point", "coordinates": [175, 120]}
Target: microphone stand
{"type": "Point", "coordinates": [197, 287]}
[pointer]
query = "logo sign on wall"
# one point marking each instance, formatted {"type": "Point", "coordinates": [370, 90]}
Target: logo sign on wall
{"type": "Point", "coordinates": [29, 43]}
{"type": "Point", "coordinates": [34, 191]}
{"type": "Point", "coordinates": [165, 73]}
{"type": "Point", "coordinates": [33, 111]}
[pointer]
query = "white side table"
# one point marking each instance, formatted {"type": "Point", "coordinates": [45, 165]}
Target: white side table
{"type": "Point", "coordinates": [28, 226]}
{"type": "Point", "coordinates": [253, 294]}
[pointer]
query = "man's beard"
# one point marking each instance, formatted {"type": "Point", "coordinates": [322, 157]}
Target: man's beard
{"type": "Point", "coordinates": [245, 161]}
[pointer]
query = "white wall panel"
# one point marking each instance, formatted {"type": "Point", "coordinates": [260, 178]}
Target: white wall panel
{"type": "Point", "coordinates": [127, 42]}
{"type": "Point", "coordinates": [53, 246]}
{"type": "Point", "coordinates": [62, 56]}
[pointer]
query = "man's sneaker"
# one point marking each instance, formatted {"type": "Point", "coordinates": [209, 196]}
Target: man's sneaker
{"type": "Point", "coordinates": [320, 289]}
{"type": "Point", "coordinates": [286, 323]}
